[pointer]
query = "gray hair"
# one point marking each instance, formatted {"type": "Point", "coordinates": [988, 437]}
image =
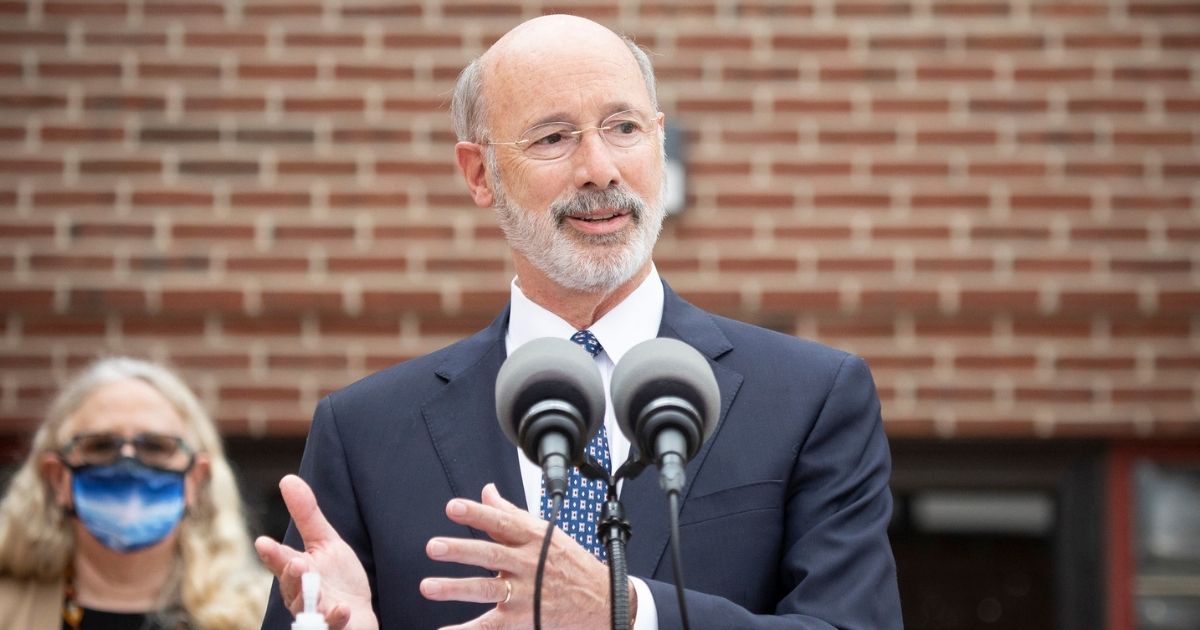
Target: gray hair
{"type": "Point", "coordinates": [467, 106]}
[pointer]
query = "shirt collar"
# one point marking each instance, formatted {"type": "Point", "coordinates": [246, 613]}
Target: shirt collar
{"type": "Point", "coordinates": [634, 320]}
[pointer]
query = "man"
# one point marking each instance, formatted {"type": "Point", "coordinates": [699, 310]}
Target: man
{"type": "Point", "coordinates": [783, 521]}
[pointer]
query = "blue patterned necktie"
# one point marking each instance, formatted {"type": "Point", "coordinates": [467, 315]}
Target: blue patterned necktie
{"type": "Point", "coordinates": [585, 497]}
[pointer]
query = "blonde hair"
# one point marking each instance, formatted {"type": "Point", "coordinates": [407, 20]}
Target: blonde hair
{"type": "Point", "coordinates": [219, 581]}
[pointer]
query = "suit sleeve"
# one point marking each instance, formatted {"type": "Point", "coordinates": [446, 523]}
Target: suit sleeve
{"type": "Point", "coordinates": [325, 467]}
{"type": "Point", "coordinates": [837, 569]}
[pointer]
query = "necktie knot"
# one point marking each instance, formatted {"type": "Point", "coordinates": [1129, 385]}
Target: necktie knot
{"type": "Point", "coordinates": [588, 342]}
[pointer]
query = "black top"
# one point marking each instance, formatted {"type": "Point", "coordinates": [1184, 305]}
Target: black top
{"type": "Point", "coordinates": [105, 620]}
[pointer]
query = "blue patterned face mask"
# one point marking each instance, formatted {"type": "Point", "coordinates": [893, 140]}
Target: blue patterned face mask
{"type": "Point", "coordinates": [127, 505]}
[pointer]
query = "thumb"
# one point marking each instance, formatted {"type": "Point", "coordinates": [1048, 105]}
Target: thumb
{"type": "Point", "coordinates": [301, 504]}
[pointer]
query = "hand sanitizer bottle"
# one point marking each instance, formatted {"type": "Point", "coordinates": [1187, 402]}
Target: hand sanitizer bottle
{"type": "Point", "coordinates": [310, 619]}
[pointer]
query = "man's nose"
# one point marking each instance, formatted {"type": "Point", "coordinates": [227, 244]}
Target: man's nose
{"type": "Point", "coordinates": [594, 161]}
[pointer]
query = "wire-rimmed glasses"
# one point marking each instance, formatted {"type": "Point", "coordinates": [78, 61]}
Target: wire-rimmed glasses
{"type": "Point", "coordinates": [553, 140]}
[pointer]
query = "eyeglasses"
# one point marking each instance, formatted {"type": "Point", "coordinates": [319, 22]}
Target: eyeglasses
{"type": "Point", "coordinates": [550, 141]}
{"type": "Point", "coordinates": [152, 449]}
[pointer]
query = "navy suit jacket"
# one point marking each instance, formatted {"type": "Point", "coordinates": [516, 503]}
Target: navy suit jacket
{"type": "Point", "coordinates": [783, 522]}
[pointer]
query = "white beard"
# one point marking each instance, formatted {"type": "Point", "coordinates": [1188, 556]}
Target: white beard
{"type": "Point", "coordinates": [577, 261]}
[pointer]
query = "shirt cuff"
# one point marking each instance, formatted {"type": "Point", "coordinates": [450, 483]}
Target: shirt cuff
{"type": "Point", "coordinates": [647, 611]}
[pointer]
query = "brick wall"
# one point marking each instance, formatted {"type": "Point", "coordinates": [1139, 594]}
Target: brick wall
{"type": "Point", "coordinates": [995, 202]}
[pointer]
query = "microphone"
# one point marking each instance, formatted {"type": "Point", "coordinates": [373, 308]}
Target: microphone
{"type": "Point", "coordinates": [550, 401]}
{"type": "Point", "coordinates": [666, 401]}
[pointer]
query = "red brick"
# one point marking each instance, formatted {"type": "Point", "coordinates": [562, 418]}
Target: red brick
{"type": "Point", "coordinates": [300, 301]}
{"type": "Point", "coordinates": [865, 265]}
{"type": "Point", "coordinates": [163, 325]}
{"type": "Point", "coordinates": [1008, 105]}
{"type": "Point", "coordinates": [124, 39]}
{"type": "Point", "coordinates": [73, 198]}
{"type": "Point", "coordinates": [1005, 42]}
{"type": "Point", "coordinates": [27, 300]}
{"type": "Point", "coordinates": [173, 135]}
{"type": "Point", "coordinates": [71, 262]}
{"type": "Point", "coordinates": [1104, 169]}
{"type": "Point", "coordinates": [1163, 9]}
{"type": "Point", "coordinates": [1157, 327]}
{"type": "Point", "coordinates": [810, 43]}
{"type": "Point", "coordinates": [948, 9]}
{"type": "Point", "coordinates": [245, 104]}
{"type": "Point", "coordinates": [995, 362]}
{"type": "Point", "coordinates": [857, 137]}
{"type": "Point", "coordinates": [161, 262]}
{"type": "Point", "coordinates": [1052, 394]}
{"type": "Point", "coordinates": [1002, 300]}
{"type": "Point", "coordinates": [125, 102]}
{"type": "Point", "coordinates": [102, 301]}
{"type": "Point", "coordinates": [1095, 363]}
{"type": "Point", "coordinates": [852, 200]}
{"type": "Point", "coordinates": [75, 9]}
{"type": "Point", "coordinates": [423, 232]}
{"type": "Point", "coordinates": [911, 42]}
{"type": "Point", "coordinates": [466, 265]}
{"type": "Point", "coordinates": [955, 137]}
{"type": "Point", "coordinates": [206, 232]}
{"type": "Point", "coordinates": [910, 105]}
{"type": "Point", "coordinates": [32, 38]}
{"type": "Point", "coordinates": [1028, 264]}
{"type": "Point", "coordinates": [955, 73]}
{"type": "Point", "coordinates": [1098, 301]}
{"type": "Point", "coordinates": [882, 8]}
{"type": "Point", "coordinates": [1148, 266]}
{"type": "Point", "coordinates": [1050, 201]}
{"type": "Point", "coordinates": [314, 232]}
{"type": "Point", "coordinates": [119, 167]}
{"type": "Point", "coordinates": [1105, 105]}
{"type": "Point", "coordinates": [907, 232]}
{"type": "Point", "coordinates": [669, 8]}
{"type": "Point", "coordinates": [259, 393]}
{"type": "Point", "coordinates": [899, 298]}
{"type": "Point", "coordinates": [177, 71]}
{"type": "Point", "coordinates": [857, 74]}
{"type": "Point", "coordinates": [370, 9]}
{"type": "Point", "coordinates": [225, 39]}
{"type": "Point", "coordinates": [708, 43]}
{"type": "Point", "coordinates": [800, 301]}
{"type": "Point", "coordinates": [266, 264]}
{"type": "Point", "coordinates": [1102, 40]}
{"type": "Point", "coordinates": [269, 199]}
{"type": "Point", "coordinates": [339, 325]}
{"type": "Point", "coordinates": [374, 72]}
{"type": "Point", "coordinates": [277, 71]}
{"type": "Point", "coordinates": [954, 394]}
{"type": "Point", "coordinates": [953, 265]}
{"type": "Point", "coordinates": [307, 361]}
{"type": "Point", "coordinates": [69, 325]}
{"type": "Point", "coordinates": [273, 325]}
{"type": "Point", "coordinates": [1055, 74]}
{"type": "Point", "coordinates": [315, 167]}
{"type": "Point", "coordinates": [201, 300]}
{"type": "Point", "coordinates": [174, 198]}
{"type": "Point", "coordinates": [375, 301]}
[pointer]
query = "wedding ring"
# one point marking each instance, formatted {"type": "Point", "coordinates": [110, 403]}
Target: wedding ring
{"type": "Point", "coordinates": [507, 591]}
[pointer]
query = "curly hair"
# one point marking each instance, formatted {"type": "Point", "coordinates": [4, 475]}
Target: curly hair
{"type": "Point", "coordinates": [219, 582]}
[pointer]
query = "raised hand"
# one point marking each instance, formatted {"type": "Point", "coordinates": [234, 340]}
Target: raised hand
{"type": "Point", "coordinates": [574, 589]}
{"type": "Point", "coordinates": [345, 592]}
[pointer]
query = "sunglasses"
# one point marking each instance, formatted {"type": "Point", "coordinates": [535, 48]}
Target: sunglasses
{"type": "Point", "coordinates": [167, 452]}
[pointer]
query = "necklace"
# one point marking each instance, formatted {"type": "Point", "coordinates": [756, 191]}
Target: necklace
{"type": "Point", "coordinates": [72, 613]}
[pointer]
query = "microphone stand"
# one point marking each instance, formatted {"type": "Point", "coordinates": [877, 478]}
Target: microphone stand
{"type": "Point", "coordinates": [614, 531]}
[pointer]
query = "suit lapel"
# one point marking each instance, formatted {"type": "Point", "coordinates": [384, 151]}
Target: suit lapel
{"type": "Point", "coordinates": [462, 424]}
{"type": "Point", "coordinates": [645, 503]}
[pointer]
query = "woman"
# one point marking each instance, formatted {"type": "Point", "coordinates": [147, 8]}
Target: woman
{"type": "Point", "coordinates": [126, 513]}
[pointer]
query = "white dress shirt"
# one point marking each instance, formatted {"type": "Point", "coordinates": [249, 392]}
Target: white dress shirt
{"type": "Point", "coordinates": [629, 323]}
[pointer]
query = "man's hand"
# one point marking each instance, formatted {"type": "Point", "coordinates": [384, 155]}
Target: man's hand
{"type": "Point", "coordinates": [574, 588]}
{"type": "Point", "coordinates": [345, 598]}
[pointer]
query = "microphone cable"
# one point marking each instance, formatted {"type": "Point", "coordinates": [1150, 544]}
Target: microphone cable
{"type": "Point", "coordinates": [556, 502]}
{"type": "Point", "coordinates": [676, 556]}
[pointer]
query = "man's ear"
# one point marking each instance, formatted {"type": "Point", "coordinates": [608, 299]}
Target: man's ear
{"type": "Point", "coordinates": [56, 473]}
{"type": "Point", "coordinates": [196, 478]}
{"type": "Point", "coordinates": [474, 169]}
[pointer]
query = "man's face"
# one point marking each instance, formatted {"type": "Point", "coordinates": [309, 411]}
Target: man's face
{"type": "Point", "coordinates": [587, 220]}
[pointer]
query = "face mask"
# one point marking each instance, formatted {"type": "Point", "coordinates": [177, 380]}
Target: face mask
{"type": "Point", "coordinates": [127, 505]}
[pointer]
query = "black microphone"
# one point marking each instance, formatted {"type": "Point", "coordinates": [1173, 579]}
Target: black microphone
{"type": "Point", "coordinates": [666, 401]}
{"type": "Point", "coordinates": [550, 401]}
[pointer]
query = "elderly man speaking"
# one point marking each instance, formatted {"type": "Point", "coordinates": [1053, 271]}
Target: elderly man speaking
{"type": "Point", "coordinates": [784, 518]}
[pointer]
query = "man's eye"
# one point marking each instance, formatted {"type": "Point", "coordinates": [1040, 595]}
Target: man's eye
{"type": "Point", "coordinates": [553, 138]}
{"type": "Point", "coordinates": [626, 127]}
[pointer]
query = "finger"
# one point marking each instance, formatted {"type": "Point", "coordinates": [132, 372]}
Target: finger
{"type": "Point", "coordinates": [338, 617]}
{"type": "Point", "coordinates": [478, 553]}
{"type": "Point", "coordinates": [291, 582]}
{"type": "Point", "coordinates": [302, 506]}
{"type": "Point", "coordinates": [273, 554]}
{"type": "Point", "coordinates": [511, 528]}
{"type": "Point", "coordinates": [476, 590]}
{"type": "Point", "coordinates": [492, 498]}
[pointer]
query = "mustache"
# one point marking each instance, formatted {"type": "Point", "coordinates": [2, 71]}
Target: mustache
{"type": "Point", "coordinates": [587, 202]}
